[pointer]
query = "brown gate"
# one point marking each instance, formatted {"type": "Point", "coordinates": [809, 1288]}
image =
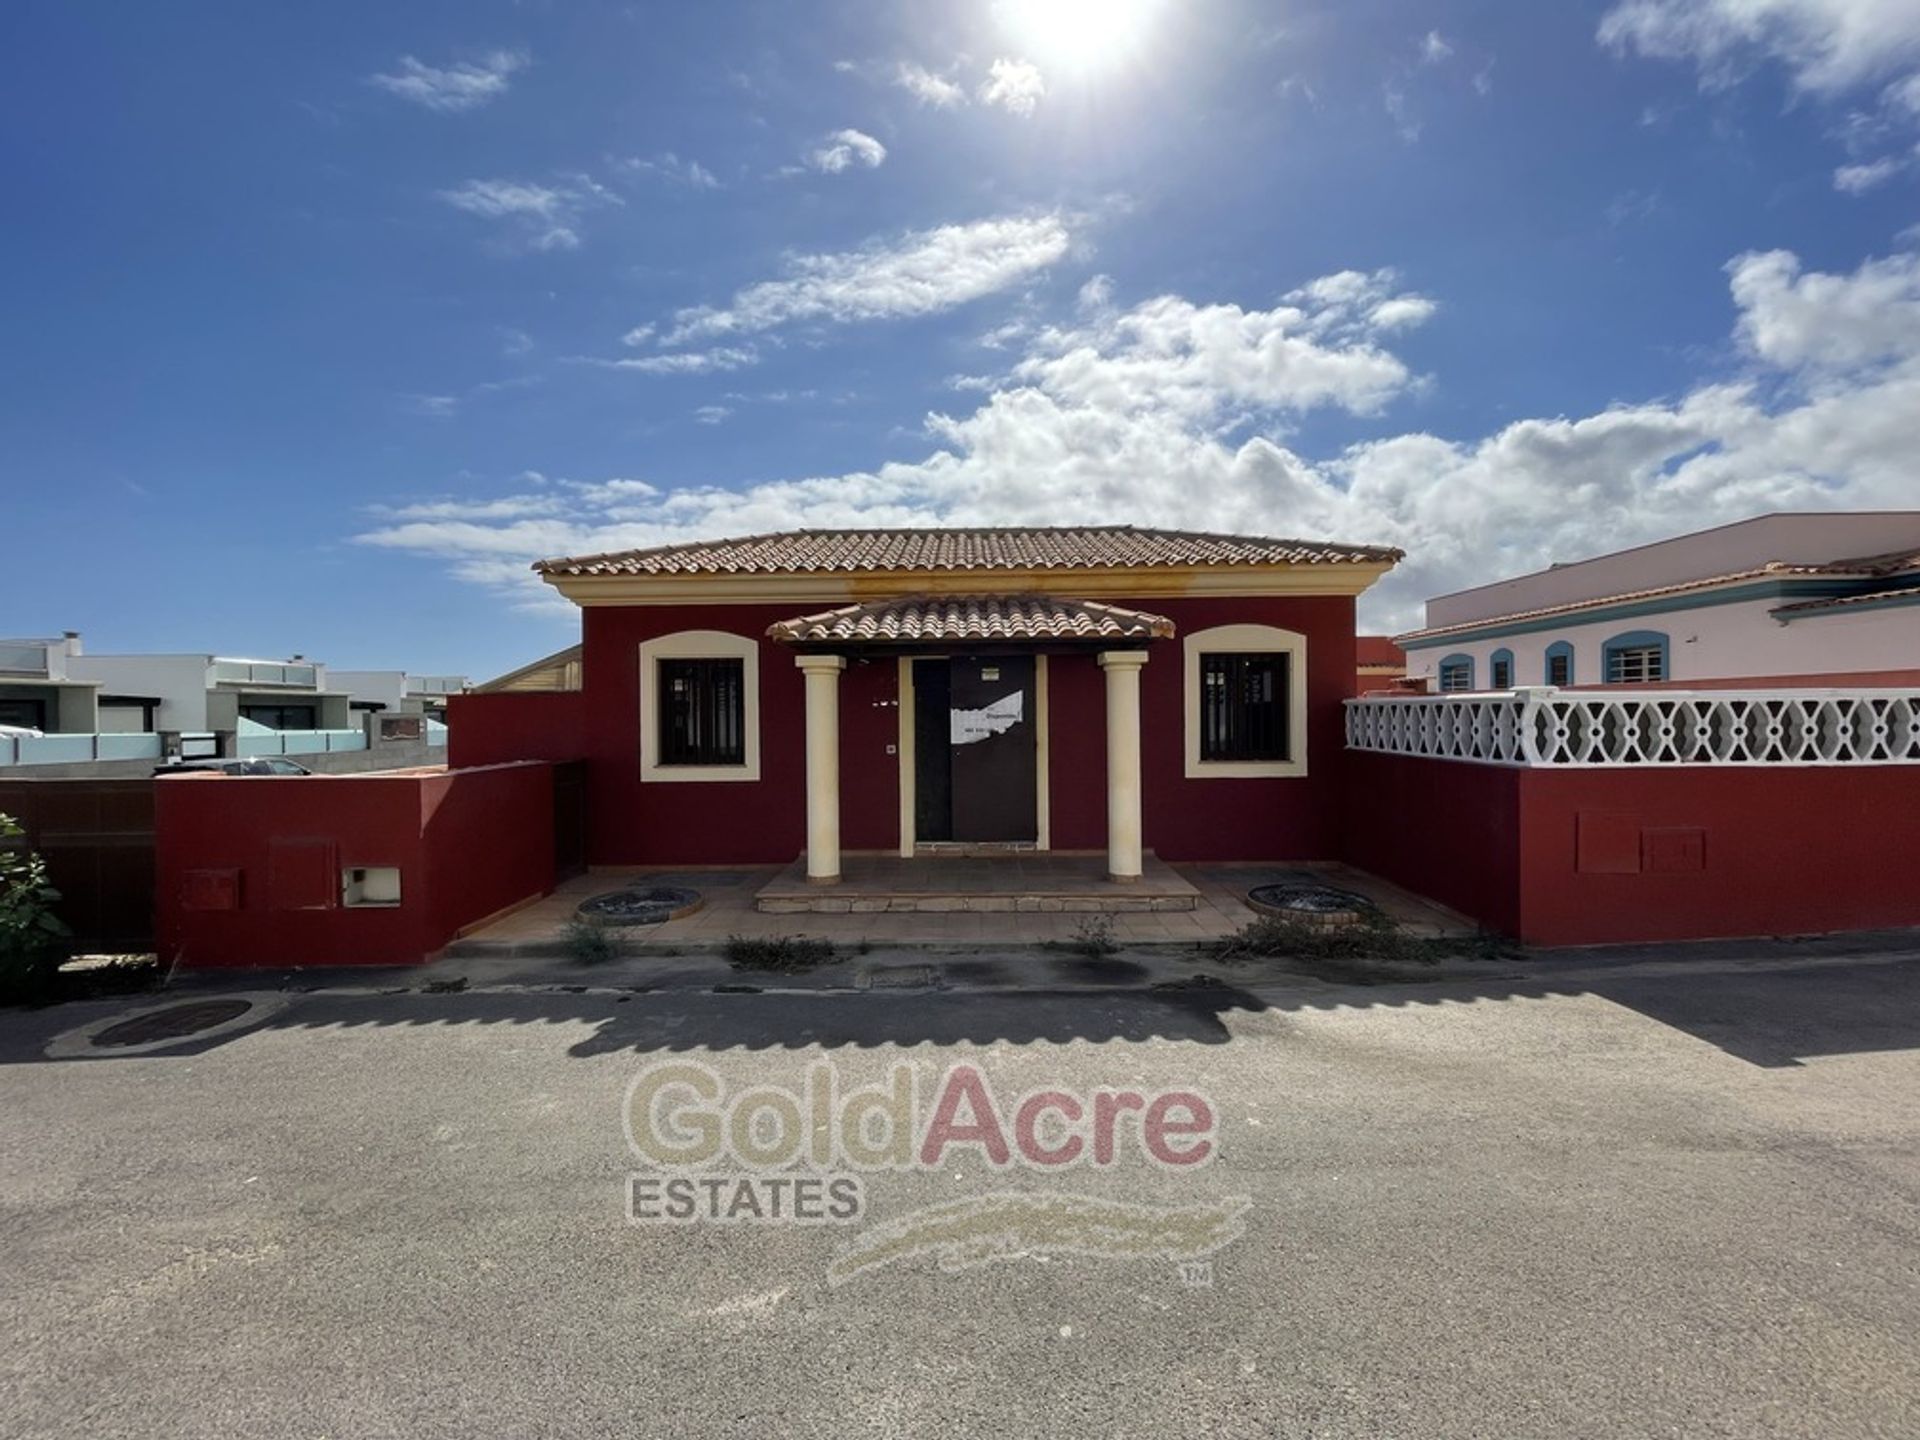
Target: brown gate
{"type": "Point", "coordinates": [97, 838]}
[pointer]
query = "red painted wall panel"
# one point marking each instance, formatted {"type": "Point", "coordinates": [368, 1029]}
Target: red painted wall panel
{"type": "Point", "coordinates": [1077, 751]}
{"type": "Point", "coordinates": [467, 844]}
{"type": "Point", "coordinates": [496, 729]}
{"type": "Point", "coordinates": [1590, 857]}
{"type": "Point", "coordinates": [1786, 850]}
{"type": "Point", "coordinates": [869, 776]}
{"type": "Point", "coordinates": [1443, 829]}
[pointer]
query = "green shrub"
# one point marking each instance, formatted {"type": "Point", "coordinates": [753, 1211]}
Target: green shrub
{"type": "Point", "coordinates": [588, 943]}
{"type": "Point", "coordinates": [786, 953]}
{"type": "Point", "coordinates": [33, 941]}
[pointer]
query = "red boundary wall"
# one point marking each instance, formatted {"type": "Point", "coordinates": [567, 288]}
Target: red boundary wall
{"type": "Point", "coordinates": [248, 870]}
{"type": "Point", "coordinates": [1621, 855]}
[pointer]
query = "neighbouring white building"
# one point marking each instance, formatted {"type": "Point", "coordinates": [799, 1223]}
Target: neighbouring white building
{"type": "Point", "coordinates": [1784, 597]}
{"type": "Point", "coordinates": [396, 692]}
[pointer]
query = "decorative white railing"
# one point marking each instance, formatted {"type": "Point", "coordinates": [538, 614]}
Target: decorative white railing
{"type": "Point", "coordinates": [1546, 726]}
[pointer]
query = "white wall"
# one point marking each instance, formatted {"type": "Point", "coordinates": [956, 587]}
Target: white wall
{"type": "Point", "coordinates": [1710, 643]}
{"type": "Point", "coordinates": [1798, 539]}
{"type": "Point", "coordinates": [178, 681]}
{"type": "Point", "coordinates": [377, 687]}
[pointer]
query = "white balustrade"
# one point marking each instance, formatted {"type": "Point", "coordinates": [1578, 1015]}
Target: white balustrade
{"type": "Point", "coordinates": [1546, 726]}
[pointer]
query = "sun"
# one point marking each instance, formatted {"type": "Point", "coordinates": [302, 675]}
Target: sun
{"type": "Point", "coordinates": [1077, 35]}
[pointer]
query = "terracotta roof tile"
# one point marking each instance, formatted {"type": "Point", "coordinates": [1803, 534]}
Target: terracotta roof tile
{"type": "Point", "coordinates": [1085, 547]}
{"type": "Point", "coordinates": [915, 619]}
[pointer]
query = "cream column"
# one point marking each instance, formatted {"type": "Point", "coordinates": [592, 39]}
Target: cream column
{"type": "Point", "coordinates": [823, 765]}
{"type": "Point", "coordinates": [1123, 761]}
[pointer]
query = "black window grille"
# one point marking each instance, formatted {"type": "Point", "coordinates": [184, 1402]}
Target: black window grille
{"type": "Point", "coordinates": [1503, 674]}
{"type": "Point", "coordinates": [703, 712]}
{"type": "Point", "coordinates": [1560, 669]}
{"type": "Point", "coordinates": [1243, 707]}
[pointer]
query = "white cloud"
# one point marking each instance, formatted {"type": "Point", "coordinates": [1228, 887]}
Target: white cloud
{"type": "Point", "coordinates": [536, 217]}
{"type": "Point", "coordinates": [449, 89]}
{"type": "Point", "coordinates": [1434, 48]}
{"type": "Point", "coordinates": [918, 273]}
{"type": "Point", "coordinates": [1858, 179]}
{"type": "Point", "coordinates": [1826, 45]}
{"type": "Point", "coordinates": [434, 407]}
{"type": "Point", "coordinates": [674, 168]}
{"type": "Point", "coordinates": [1165, 413]}
{"type": "Point", "coordinates": [688, 362]}
{"type": "Point", "coordinates": [844, 148]}
{"type": "Point", "coordinates": [1796, 320]}
{"type": "Point", "coordinates": [1015, 85]}
{"type": "Point", "coordinates": [927, 87]}
{"type": "Point", "coordinates": [711, 414]}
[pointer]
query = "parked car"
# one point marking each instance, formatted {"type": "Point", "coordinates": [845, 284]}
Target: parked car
{"type": "Point", "coordinates": [19, 732]}
{"type": "Point", "coordinates": [265, 765]}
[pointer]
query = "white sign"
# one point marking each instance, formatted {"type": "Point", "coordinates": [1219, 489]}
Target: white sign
{"type": "Point", "coordinates": [967, 726]}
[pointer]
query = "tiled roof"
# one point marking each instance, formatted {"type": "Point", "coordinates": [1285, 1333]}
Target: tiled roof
{"type": "Point", "coordinates": [1378, 650]}
{"type": "Point", "coordinates": [923, 618]}
{"type": "Point", "coordinates": [1864, 567]}
{"type": "Point", "coordinates": [1027, 547]}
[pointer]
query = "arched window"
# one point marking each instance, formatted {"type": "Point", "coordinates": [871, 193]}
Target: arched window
{"type": "Point", "coordinates": [1559, 663]}
{"type": "Point", "coordinates": [1500, 670]}
{"type": "Point", "coordinates": [1456, 673]}
{"type": "Point", "coordinates": [1638, 657]}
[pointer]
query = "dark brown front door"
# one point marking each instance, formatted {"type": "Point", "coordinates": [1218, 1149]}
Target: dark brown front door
{"type": "Point", "coordinates": [990, 746]}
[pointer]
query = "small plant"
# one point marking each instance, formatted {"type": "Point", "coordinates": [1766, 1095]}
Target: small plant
{"type": "Point", "coordinates": [588, 943]}
{"type": "Point", "coordinates": [788, 954]}
{"type": "Point", "coordinates": [1374, 940]}
{"type": "Point", "coordinates": [1093, 937]}
{"type": "Point", "coordinates": [32, 938]}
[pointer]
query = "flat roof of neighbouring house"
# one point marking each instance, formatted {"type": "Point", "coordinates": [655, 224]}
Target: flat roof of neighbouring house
{"type": "Point", "coordinates": [1021, 547]}
{"type": "Point", "coordinates": [923, 619]}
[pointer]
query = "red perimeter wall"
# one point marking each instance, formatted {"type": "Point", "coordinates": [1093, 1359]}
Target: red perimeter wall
{"type": "Point", "coordinates": [248, 868]}
{"type": "Point", "coordinates": [765, 821]}
{"type": "Point", "coordinates": [1586, 857]}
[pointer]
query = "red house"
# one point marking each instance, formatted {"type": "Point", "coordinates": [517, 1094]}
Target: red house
{"type": "Point", "coordinates": [1086, 688]}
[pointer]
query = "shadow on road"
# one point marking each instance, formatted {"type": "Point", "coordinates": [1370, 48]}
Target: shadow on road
{"type": "Point", "coordinates": [1767, 1017]}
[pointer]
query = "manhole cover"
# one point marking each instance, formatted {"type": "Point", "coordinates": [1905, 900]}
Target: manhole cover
{"type": "Point", "coordinates": [176, 1022]}
{"type": "Point", "coordinates": [1310, 900]}
{"type": "Point", "coordinates": [641, 905]}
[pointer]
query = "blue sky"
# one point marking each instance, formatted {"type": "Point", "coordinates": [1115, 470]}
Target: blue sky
{"type": "Point", "coordinates": [321, 322]}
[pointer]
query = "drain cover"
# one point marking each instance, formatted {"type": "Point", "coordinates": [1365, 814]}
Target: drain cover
{"type": "Point", "coordinates": [1310, 900]}
{"type": "Point", "coordinates": [176, 1022]}
{"type": "Point", "coordinates": [641, 905]}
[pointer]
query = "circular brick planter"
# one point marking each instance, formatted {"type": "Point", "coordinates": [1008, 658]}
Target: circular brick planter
{"type": "Point", "coordinates": [1323, 906]}
{"type": "Point", "coordinates": [640, 905]}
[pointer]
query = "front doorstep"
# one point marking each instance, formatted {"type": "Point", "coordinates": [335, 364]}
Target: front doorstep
{"type": "Point", "coordinates": [1026, 883]}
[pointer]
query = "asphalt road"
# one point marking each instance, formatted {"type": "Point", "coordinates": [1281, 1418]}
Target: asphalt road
{"type": "Point", "coordinates": [1662, 1206]}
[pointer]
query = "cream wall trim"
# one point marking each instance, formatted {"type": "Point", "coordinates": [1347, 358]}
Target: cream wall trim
{"type": "Point", "coordinates": [697, 645]}
{"type": "Point", "coordinates": [822, 590]}
{"type": "Point", "coordinates": [1042, 798]}
{"type": "Point", "coordinates": [903, 747]}
{"type": "Point", "coordinates": [1246, 640]}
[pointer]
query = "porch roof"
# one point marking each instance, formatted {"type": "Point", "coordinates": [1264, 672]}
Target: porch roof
{"type": "Point", "coordinates": [929, 619]}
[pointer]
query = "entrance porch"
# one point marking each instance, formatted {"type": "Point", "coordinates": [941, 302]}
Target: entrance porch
{"type": "Point", "coordinates": [972, 754]}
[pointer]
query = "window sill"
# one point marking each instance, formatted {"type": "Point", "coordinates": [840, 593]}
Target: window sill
{"type": "Point", "coordinates": [1245, 769]}
{"type": "Point", "coordinates": [698, 774]}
